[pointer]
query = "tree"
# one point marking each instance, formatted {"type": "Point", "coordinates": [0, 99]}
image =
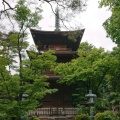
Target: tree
{"type": "Point", "coordinates": [93, 70]}
{"type": "Point", "coordinates": [84, 66]}
{"type": "Point", "coordinates": [112, 27]}
{"type": "Point", "coordinates": [116, 74]}
{"type": "Point", "coordinates": [112, 24]}
{"type": "Point", "coordinates": [114, 80]}
{"type": "Point", "coordinates": [23, 90]}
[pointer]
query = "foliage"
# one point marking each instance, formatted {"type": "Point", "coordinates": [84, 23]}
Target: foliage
{"type": "Point", "coordinates": [82, 117]}
{"type": "Point", "coordinates": [112, 24]}
{"type": "Point", "coordinates": [102, 103]}
{"type": "Point", "coordinates": [89, 70]}
{"type": "Point", "coordinates": [99, 116]}
{"type": "Point", "coordinates": [81, 109]}
{"type": "Point", "coordinates": [24, 16]}
{"type": "Point", "coordinates": [94, 69]}
{"type": "Point", "coordinates": [107, 115]}
{"type": "Point", "coordinates": [22, 90]}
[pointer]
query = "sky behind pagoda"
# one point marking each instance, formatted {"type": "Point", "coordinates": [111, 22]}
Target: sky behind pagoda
{"type": "Point", "coordinates": [91, 20]}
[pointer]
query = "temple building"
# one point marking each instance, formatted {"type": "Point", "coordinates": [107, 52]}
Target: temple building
{"type": "Point", "coordinates": [65, 44]}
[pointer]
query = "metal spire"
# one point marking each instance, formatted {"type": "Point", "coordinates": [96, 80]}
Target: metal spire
{"type": "Point", "coordinates": [57, 20]}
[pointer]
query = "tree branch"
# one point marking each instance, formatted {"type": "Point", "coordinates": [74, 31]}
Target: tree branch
{"type": "Point", "coordinates": [4, 1]}
{"type": "Point", "coordinates": [10, 8]}
{"type": "Point", "coordinates": [6, 86]}
{"type": "Point", "coordinates": [101, 79]}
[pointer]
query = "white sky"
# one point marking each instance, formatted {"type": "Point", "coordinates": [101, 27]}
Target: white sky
{"type": "Point", "coordinates": [91, 20]}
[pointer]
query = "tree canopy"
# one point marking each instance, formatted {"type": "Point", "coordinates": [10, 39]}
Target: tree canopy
{"type": "Point", "coordinates": [23, 90]}
{"type": "Point", "coordinates": [94, 70]}
{"type": "Point", "coordinates": [112, 24]}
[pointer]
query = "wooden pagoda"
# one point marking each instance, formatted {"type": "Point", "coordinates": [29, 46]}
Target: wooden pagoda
{"type": "Point", "coordinates": [65, 44]}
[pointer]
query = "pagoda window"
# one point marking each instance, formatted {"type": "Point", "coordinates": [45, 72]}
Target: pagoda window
{"type": "Point", "coordinates": [57, 47]}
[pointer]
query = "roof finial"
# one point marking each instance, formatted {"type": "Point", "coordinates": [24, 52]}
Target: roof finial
{"type": "Point", "coordinates": [57, 20]}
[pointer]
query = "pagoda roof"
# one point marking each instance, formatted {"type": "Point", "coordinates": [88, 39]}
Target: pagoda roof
{"type": "Point", "coordinates": [71, 39]}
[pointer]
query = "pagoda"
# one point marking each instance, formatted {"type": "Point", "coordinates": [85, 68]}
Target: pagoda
{"type": "Point", "coordinates": [65, 44]}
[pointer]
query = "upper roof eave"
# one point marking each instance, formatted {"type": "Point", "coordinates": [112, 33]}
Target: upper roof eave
{"type": "Point", "coordinates": [57, 37]}
{"type": "Point", "coordinates": [54, 32]}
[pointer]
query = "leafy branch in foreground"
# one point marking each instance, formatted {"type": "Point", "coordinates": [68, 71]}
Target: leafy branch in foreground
{"type": "Point", "coordinates": [23, 90]}
{"type": "Point", "coordinates": [112, 24]}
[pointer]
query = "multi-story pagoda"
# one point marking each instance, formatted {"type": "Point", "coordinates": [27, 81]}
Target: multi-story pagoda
{"type": "Point", "coordinates": [65, 45]}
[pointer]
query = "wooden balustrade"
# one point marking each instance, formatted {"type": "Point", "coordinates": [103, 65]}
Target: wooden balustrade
{"type": "Point", "coordinates": [53, 111]}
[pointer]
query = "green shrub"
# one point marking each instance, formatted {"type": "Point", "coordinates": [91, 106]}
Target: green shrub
{"type": "Point", "coordinates": [82, 117]}
{"type": "Point", "coordinates": [34, 118]}
{"type": "Point", "coordinates": [99, 116]}
{"type": "Point", "coordinates": [107, 115]}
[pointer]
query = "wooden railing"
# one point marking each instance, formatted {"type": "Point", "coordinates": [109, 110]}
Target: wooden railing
{"type": "Point", "coordinates": [53, 111]}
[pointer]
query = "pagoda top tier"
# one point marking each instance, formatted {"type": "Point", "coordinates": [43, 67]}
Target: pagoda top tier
{"type": "Point", "coordinates": [44, 39]}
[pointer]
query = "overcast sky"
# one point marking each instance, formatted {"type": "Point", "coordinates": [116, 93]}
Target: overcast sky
{"type": "Point", "coordinates": [91, 20]}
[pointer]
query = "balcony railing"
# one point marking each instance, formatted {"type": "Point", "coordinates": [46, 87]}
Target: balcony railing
{"type": "Point", "coordinates": [53, 112]}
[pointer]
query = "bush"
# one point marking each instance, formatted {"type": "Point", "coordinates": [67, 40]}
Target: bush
{"type": "Point", "coordinates": [107, 115]}
{"type": "Point", "coordinates": [82, 117]}
{"type": "Point", "coordinates": [34, 118]}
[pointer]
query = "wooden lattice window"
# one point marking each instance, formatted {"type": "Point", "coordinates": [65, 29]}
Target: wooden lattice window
{"type": "Point", "coordinates": [57, 47]}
